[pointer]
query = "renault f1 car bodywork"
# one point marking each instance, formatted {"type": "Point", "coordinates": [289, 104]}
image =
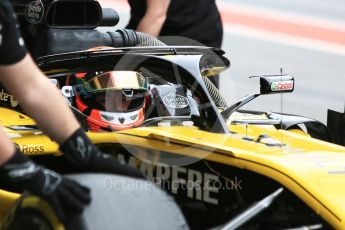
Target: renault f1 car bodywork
{"type": "Point", "coordinates": [226, 168]}
{"type": "Point", "coordinates": [216, 162]}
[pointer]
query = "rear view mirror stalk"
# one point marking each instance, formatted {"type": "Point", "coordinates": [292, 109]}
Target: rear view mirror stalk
{"type": "Point", "coordinates": [228, 111]}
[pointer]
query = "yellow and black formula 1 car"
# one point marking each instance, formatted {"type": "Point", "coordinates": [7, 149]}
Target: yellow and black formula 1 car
{"type": "Point", "coordinates": [155, 109]}
{"type": "Point", "coordinates": [224, 167]}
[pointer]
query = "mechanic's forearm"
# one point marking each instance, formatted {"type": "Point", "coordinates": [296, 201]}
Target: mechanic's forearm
{"type": "Point", "coordinates": [40, 99]}
{"type": "Point", "coordinates": [151, 26]}
{"type": "Point", "coordinates": [47, 106]}
{"type": "Point", "coordinates": [154, 17]}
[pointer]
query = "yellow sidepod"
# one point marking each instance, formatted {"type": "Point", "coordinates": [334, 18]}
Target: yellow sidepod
{"type": "Point", "coordinates": [313, 170]}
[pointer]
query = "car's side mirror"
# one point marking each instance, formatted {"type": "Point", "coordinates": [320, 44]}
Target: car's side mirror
{"type": "Point", "coordinates": [271, 84]}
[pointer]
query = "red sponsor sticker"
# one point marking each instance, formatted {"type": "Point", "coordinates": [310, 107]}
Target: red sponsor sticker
{"type": "Point", "coordinates": [282, 86]}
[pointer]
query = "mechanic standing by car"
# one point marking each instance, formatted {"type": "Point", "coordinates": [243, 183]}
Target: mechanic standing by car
{"type": "Point", "coordinates": [43, 102]}
{"type": "Point", "coordinates": [198, 20]}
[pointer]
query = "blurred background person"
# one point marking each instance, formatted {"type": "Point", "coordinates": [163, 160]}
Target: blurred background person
{"type": "Point", "coordinates": [198, 20]}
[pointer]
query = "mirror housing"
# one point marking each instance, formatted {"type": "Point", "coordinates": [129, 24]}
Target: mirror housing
{"type": "Point", "coordinates": [271, 84]}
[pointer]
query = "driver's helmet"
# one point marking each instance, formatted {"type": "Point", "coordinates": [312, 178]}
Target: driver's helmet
{"type": "Point", "coordinates": [113, 100]}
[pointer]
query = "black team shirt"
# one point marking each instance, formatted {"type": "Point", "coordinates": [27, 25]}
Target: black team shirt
{"type": "Point", "coordinates": [195, 19]}
{"type": "Point", "coordinates": [12, 47]}
{"type": "Point", "coordinates": [180, 12]}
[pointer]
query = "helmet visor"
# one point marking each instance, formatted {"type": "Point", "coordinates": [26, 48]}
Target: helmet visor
{"type": "Point", "coordinates": [116, 80]}
{"type": "Point", "coordinates": [114, 91]}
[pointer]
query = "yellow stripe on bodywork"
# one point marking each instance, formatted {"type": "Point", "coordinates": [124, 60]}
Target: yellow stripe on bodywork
{"type": "Point", "coordinates": [7, 199]}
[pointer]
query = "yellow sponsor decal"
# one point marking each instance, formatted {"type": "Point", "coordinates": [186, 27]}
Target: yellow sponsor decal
{"type": "Point", "coordinates": [32, 149]}
{"type": "Point", "coordinates": [8, 98]}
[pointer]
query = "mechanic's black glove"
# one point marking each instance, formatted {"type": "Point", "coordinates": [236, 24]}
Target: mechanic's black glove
{"type": "Point", "coordinates": [64, 195]}
{"type": "Point", "coordinates": [82, 153]}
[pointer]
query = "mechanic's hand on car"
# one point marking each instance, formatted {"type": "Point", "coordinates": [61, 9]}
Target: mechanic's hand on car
{"type": "Point", "coordinates": [64, 195]}
{"type": "Point", "coordinates": [79, 150]}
